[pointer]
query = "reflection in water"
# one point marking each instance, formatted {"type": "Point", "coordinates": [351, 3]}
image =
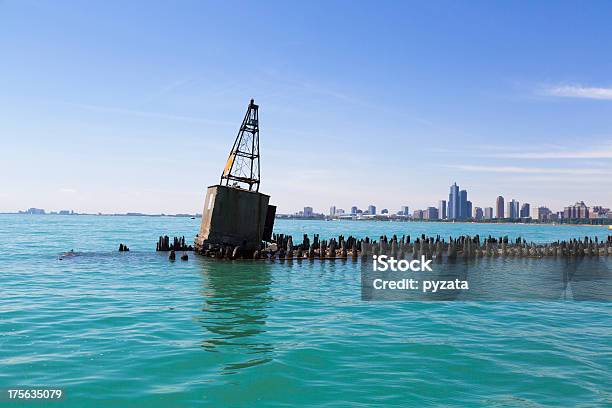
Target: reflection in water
{"type": "Point", "coordinates": [236, 296]}
{"type": "Point", "coordinates": [587, 278]}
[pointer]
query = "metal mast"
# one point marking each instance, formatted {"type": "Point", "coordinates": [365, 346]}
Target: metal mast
{"type": "Point", "coordinates": [242, 167]}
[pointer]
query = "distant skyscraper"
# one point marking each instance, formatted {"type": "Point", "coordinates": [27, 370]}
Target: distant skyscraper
{"type": "Point", "coordinates": [463, 205]}
{"type": "Point", "coordinates": [307, 211]}
{"type": "Point", "coordinates": [478, 215]}
{"type": "Point", "coordinates": [499, 206]}
{"type": "Point", "coordinates": [543, 213]}
{"type": "Point", "coordinates": [442, 209]}
{"type": "Point", "coordinates": [332, 210]}
{"type": "Point", "coordinates": [513, 209]}
{"type": "Point", "coordinates": [405, 210]}
{"type": "Point", "coordinates": [597, 211]}
{"type": "Point", "coordinates": [431, 213]}
{"type": "Point", "coordinates": [578, 210]}
{"type": "Point", "coordinates": [417, 214]}
{"type": "Point", "coordinates": [453, 202]}
{"type": "Point", "coordinates": [468, 209]}
{"type": "Point", "coordinates": [488, 213]}
{"type": "Point", "coordinates": [372, 209]}
{"type": "Point", "coordinates": [516, 210]}
{"type": "Point", "coordinates": [353, 210]}
{"type": "Point", "coordinates": [525, 210]}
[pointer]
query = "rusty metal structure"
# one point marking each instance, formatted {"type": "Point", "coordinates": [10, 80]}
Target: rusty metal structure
{"type": "Point", "coordinates": [242, 166]}
{"type": "Point", "coordinates": [236, 216]}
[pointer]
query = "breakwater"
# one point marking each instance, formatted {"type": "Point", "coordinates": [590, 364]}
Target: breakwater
{"type": "Point", "coordinates": [283, 248]}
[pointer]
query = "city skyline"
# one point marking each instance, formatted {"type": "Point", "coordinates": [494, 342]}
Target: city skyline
{"type": "Point", "coordinates": [128, 117]}
{"type": "Point", "coordinates": [459, 208]}
{"type": "Point", "coordinates": [402, 209]}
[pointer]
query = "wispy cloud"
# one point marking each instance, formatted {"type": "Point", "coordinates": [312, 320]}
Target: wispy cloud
{"type": "Point", "coordinates": [146, 114]}
{"type": "Point", "coordinates": [600, 148]}
{"type": "Point", "coordinates": [584, 154]}
{"type": "Point", "coordinates": [575, 180]}
{"type": "Point", "coordinates": [67, 190]}
{"type": "Point", "coordinates": [579, 91]}
{"type": "Point", "coordinates": [170, 88]}
{"type": "Point", "coordinates": [526, 170]}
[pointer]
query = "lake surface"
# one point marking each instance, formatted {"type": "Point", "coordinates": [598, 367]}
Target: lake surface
{"type": "Point", "coordinates": [133, 329]}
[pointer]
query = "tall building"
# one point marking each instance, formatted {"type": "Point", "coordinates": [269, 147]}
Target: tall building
{"type": "Point", "coordinates": [576, 211]}
{"type": "Point", "coordinates": [332, 210]}
{"type": "Point", "coordinates": [417, 214]}
{"type": "Point", "coordinates": [468, 210]}
{"type": "Point", "coordinates": [353, 210]}
{"type": "Point", "coordinates": [544, 213]}
{"type": "Point", "coordinates": [307, 211]}
{"type": "Point", "coordinates": [513, 211]}
{"type": "Point", "coordinates": [405, 210]}
{"type": "Point", "coordinates": [499, 206]}
{"type": "Point", "coordinates": [488, 213]}
{"type": "Point", "coordinates": [372, 209]}
{"type": "Point", "coordinates": [478, 215]}
{"type": "Point", "coordinates": [442, 209]}
{"type": "Point", "coordinates": [597, 211]}
{"type": "Point", "coordinates": [463, 205]}
{"type": "Point", "coordinates": [516, 209]}
{"type": "Point", "coordinates": [431, 213]}
{"type": "Point", "coordinates": [453, 202]}
{"type": "Point", "coordinates": [525, 209]}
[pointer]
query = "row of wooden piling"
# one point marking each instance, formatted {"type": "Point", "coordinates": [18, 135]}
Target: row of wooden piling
{"type": "Point", "coordinates": [404, 247]}
{"type": "Point", "coordinates": [178, 244]}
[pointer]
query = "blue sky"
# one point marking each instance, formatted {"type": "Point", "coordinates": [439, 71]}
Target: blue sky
{"type": "Point", "coordinates": [133, 106]}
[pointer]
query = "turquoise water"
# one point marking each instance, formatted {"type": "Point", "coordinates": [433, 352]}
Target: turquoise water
{"type": "Point", "coordinates": [132, 329]}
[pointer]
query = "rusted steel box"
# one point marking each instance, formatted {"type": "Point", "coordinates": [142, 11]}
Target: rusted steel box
{"type": "Point", "coordinates": [233, 216]}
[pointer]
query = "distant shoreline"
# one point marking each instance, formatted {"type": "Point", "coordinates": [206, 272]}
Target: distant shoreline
{"type": "Point", "coordinates": [604, 222]}
{"type": "Point", "coordinates": [107, 215]}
